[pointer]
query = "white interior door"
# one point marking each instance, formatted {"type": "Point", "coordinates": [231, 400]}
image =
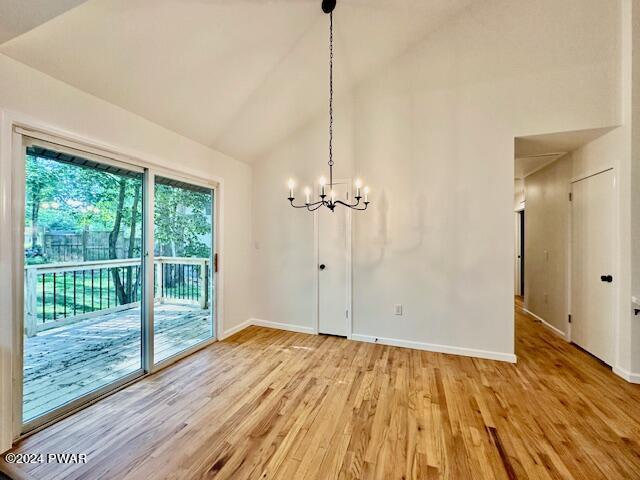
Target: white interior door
{"type": "Point", "coordinates": [592, 281]}
{"type": "Point", "coordinates": [333, 271]}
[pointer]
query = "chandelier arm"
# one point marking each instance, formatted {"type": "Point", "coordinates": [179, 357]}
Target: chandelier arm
{"type": "Point", "coordinates": [316, 206]}
{"type": "Point", "coordinates": [345, 204]}
{"type": "Point", "coordinates": [353, 206]}
{"type": "Point", "coordinates": [350, 204]}
{"type": "Point", "coordinates": [366, 204]}
{"type": "Point", "coordinates": [306, 205]}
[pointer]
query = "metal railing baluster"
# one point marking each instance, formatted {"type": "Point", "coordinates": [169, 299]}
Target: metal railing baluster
{"type": "Point", "coordinates": [64, 293]}
{"type": "Point", "coordinates": [44, 294]}
{"type": "Point", "coordinates": [198, 282]}
{"type": "Point", "coordinates": [54, 297]}
{"type": "Point", "coordinates": [84, 292]}
{"type": "Point", "coordinates": [74, 294]}
{"type": "Point", "coordinates": [92, 291]}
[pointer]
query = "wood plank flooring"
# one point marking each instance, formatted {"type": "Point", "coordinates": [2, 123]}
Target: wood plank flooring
{"type": "Point", "coordinates": [65, 363]}
{"type": "Point", "coordinates": [273, 404]}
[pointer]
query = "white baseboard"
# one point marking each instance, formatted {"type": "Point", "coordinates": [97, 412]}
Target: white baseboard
{"type": "Point", "coordinates": [281, 326]}
{"type": "Point", "coordinates": [430, 347]}
{"type": "Point", "coordinates": [627, 375]}
{"type": "Point", "coordinates": [236, 329]}
{"type": "Point", "coordinates": [555, 330]}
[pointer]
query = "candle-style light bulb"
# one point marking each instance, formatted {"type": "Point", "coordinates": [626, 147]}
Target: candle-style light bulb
{"type": "Point", "coordinates": [323, 182]}
{"type": "Point", "coordinates": [366, 194]}
{"type": "Point", "coordinates": [307, 193]}
{"type": "Point", "coordinates": [358, 187]}
{"type": "Point", "coordinates": [333, 196]}
{"type": "Point", "coordinates": [291, 184]}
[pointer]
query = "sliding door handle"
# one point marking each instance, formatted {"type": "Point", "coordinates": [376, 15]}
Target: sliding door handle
{"type": "Point", "coordinates": [606, 278]}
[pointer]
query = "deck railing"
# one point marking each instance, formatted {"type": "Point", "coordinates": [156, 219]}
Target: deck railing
{"type": "Point", "coordinates": [61, 293]}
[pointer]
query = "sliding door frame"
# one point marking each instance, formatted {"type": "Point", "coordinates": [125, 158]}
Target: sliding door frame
{"type": "Point", "coordinates": [149, 258]}
{"type": "Point", "coordinates": [21, 142]}
{"type": "Point", "coordinates": [15, 128]}
{"type": "Point", "coordinates": [213, 275]}
{"type": "Point", "coordinates": [18, 179]}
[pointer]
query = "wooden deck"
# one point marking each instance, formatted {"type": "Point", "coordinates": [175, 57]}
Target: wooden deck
{"type": "Point", "coordinates": [64, 363]}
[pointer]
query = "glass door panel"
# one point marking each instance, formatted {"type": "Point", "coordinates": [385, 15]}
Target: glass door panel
{"type": "Point", "coordinates": [83, 278]}
{"type": "Point", "coordinates": [183, 277]}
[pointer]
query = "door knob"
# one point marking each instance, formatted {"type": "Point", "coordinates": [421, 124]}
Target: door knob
{"type": "Point", "coordinates": [322, 266]}
{"type": "Point", "coordinates": [606, 278]}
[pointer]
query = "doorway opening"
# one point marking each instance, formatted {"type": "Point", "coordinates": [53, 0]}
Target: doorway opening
{"type": "Point", "coordinates": [564, 247]}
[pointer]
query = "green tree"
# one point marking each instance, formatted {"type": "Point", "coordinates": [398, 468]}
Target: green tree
{"type": "Point", "coordinates": [78, 198]}
{"type": "Point", "coordinates": [181, 221]}
{"type": "Point", "coordinates": [41, 180]}
{"type": "Point", "coordinates": [127, 288]}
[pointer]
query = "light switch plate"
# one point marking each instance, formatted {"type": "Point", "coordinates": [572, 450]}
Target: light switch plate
{"type": "Point", "coordinates": [397, 309]}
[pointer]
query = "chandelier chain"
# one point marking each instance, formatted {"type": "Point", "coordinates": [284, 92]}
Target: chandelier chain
{"type": "Point", "coordinates": [331, 100]}
{"type": "Point", "coordinates": [330, 199]}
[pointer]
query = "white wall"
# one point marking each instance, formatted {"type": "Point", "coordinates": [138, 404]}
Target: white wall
{"type": "Point", "coordinates": [30, 93]}
{"type": "Point", "coordinates": [432, 133]}
{"type": "Point", "coordinates": [547, 243]}
{"type": "Point", "coordinates": [631, 215]}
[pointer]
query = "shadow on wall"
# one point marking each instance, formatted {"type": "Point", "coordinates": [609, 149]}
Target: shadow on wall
{"type": "Point", "coordinates": [380, 239]}
{"type": "Point", "coordinates": [418, 223]}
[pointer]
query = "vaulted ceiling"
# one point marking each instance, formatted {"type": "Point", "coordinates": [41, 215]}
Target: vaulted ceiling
{"type": "Point", "coordinates": [20, 16]}
{"type": "Point", "coordinates": [236, 75]}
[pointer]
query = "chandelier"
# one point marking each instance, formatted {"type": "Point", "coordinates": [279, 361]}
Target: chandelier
{"type": "Point", "coordinates": [329, 200]}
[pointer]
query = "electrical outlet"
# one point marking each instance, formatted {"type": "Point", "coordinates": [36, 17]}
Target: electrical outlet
{"type": "Point", "coordinates": [397, 309]}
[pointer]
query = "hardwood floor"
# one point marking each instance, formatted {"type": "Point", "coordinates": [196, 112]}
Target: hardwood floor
{"type": "Point", "coordinates": [274, 404]}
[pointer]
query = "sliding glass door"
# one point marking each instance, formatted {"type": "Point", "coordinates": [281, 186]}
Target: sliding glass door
{"type": "Point", "coordinates": [83, 271]}
{"type": "Point", "coordinates": [183, 276]}
{"type": "Point", "coordinates": [119, 275]}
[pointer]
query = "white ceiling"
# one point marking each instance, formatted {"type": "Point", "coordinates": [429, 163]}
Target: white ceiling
{"type": "Point", "coordinates": [527, 165]}
{"type": "Point", "coordinates": [556, 142]}
{"type": "Point", "coordinates": [19, 16]}
{"type": "Point", "coordinates": [534, 152]}
{"type": "Point", "coordinates": [236, 75]}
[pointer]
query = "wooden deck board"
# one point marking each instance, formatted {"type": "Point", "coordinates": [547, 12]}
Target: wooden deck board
{"type": "Point", "coordinates": [64, 363]}
{"type": "Point", "coordinates": [272, 404]}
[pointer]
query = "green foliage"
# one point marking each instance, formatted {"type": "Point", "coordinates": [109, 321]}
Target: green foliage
{"type": "Point", "coordinates": [181, 222]}
{"type": "Point", "coordinates": [70, 198]}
